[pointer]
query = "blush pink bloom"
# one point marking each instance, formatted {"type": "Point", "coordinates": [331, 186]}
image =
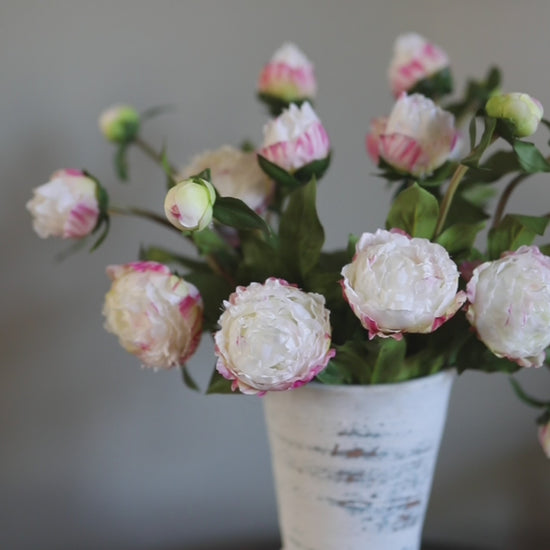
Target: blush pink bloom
{"type": "Point", "coordinates": [288, 76]}
{"type": "Point", "coordinates": [414, 59]}
{"type": "Point", "coordinates": [418, 136]}
{"type": "Point", "coordinates": [156, 315]}
{"type": "Point", "coordinates": [295, 138]}
{"type": "Point", "coordinates": [544, 438]}
{"type": "Point", "coordinates": [509, 305]}
{"type": "Point", "coordinates": [66, 206]}
{"type": "Point", "coordinates": [397, 284]}
{"type": "Point", "coordinates": [234, 173]}
{"type": "Point", "coordinates": [272, 336]}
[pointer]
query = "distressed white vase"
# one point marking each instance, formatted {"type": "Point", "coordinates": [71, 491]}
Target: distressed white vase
{"type": "Point", "coordinates": [353, 465]}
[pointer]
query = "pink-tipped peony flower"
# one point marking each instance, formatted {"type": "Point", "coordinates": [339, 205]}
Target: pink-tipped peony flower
{"type": "Point", "coordinates": [418, 136]}
{"type": "Point", "coordinates": [544, 438]}
{"type": "Point", "coordinates": [509, 305]}
{"type": "Point", "coordinates": [66, 206]}
{"type": "Point", "coordinates": [119, 123]}
{"type": "Point", "coordinates": [522, 111]}
{"type": "Point", "coordinates": [234, 173]}
{"type": "Point", "coordinates": [397, 284]}
{"type": "Point", "coordinates": [295, 138]}
{"type": "Point", "coordinates": [289, 75]}
{"type": "Point", "coordinates": [414, 59]}
{"type": "Point", "coordinates": [272, 336]}
{"type": "Point", "coordinates": [156, 315]}
{"type": "Point", "coordinates": [189, 204]}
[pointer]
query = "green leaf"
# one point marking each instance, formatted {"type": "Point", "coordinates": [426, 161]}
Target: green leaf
{"type": "Point", "coordinates": [315, 169]}
{"type": "Point", "coordinates": [478, 195]}
{"type": "Point", "coordinates": [276, 173]}
{"type": "Point", "coordinates": [414, 210]}
{"type": "Point", "coordinates": [121, 162]}
{"type": "Point", "coordinates": [475, 355]}
{"type": "Point", "coordinates": [208, 241]}
{"type": "Point", "coordinates": [348, 366]}
{"type": "Point", "coordinates": [188, 380]}
{"type": "Point", "coordinates": [204, 175]}
{"type": "Point", "coordinates": [389, 362]}
{"type": "Point", "coordinates": [436, 85]}
{"type": "Point", "coordinates": [472, 132]}
{"type": "Point", "coordinates": [472, 160]}
{"type": "Point", "coordinates": [514, 231]}
{"type": "Point", "coordinates": [218, 384]}
{"type": "Point", "coordinates": [260, 260]}
{"type": "Point", "coordinates": [300, 231]}
{"type": "Point", "coordinates": [459, 237]}
{"type": "Point", "coordinates": [464, 211]}
{"type": "Point", "coordinates": [530, 158]}
{"type": "Point", "coordinates": [275, 104]}
{"type": "Point", "coordinates": [106, 226]}
{"type": "Point", "coordinates": [235, 213]}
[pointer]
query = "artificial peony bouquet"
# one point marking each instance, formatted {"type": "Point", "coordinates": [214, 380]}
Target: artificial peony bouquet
{"type": "Point", "coordinates": [400, 302]}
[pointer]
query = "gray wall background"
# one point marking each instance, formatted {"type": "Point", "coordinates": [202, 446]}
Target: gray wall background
{"type": "Point", "coordinates": [96, 453]}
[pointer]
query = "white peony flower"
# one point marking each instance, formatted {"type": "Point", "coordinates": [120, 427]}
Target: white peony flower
{"type": "Point", "coordinates": [234, 173]}
{"type": "Point", "coordinates": [510, 305]}
{"type": "Point", "coordinates": [418, 136]}
{"type": "Point", "coordinates": [295, 138]}
{"type": "Point", "coordinates": [414, 59]}
{"type": "Point", "coordinates": [289, 75]}
{"type": "Point", "coordinates": [397, 284]}
{"type": "Point", "coordinates": [157, 316]}
{"type": "Point", "coordinates": [66, 206]}
{"type": "Point", "coordinates": [272, 336]}
{"type": "Point", "coordinates": [188, 205]}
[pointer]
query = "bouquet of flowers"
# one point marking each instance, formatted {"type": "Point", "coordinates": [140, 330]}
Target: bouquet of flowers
{"type": "Point", "coordinates": [420, 295]}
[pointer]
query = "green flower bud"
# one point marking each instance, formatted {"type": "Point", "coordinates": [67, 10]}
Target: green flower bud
{"type": "Point", "coordinates": [120, 123]}
{"type": "Point", "coordinates": [522, 111]}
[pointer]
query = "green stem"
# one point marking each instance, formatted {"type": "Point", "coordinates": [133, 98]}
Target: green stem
{"type": "Point", "coordinates": [141, 213]}
{"type": "Point", "coordinates": [499, 211]}
{"type": "Point", "coordinates": [460, 172]}
{"type": "Point", "coordinates": [170, 169]}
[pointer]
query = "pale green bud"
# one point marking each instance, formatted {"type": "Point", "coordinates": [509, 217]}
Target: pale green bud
{"type": "Point", "coordinates": [522, 111]}
{"type": "Point", "coordinates": [120, 123]}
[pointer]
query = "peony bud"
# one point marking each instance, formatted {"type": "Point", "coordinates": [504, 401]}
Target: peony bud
{"type": "Point", "coordinates": [418, 136]}
{"type": "Point", "coordinates": [188, 205]}
{"type": "Point", "coordinates": [295, 138]}
{"type": "Point", "coordinates": [272, 337]}
{"type": "Point", "coordinates": [120, 123]}
{"type": "Point", "coordinates": [397, 284]}
{"type": "Point", "coordinates": [289, 76]}
{"type": "Point", "coordinates": [157, 316]}
{"type": "Point", "coordinates": [66, 206]}
{"type": "Point", "coordinates": [234, 173]}
{"type": "Point", "coordinates": [522, 111]}
{"type": "Point", "coordinates": [377, 128]}
{"type": "Point", "coordinates": [544, 438]}
{"type": "Point", "coordinates": [414, 59]}
{"type": "Point", "coordinates": [510, 305]}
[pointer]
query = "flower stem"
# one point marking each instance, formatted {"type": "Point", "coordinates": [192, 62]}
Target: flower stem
{"type": "Point", "coordinates": [460, 172]}
{"type": "Point", "coordinates": [499, 211]}
{"type": "Point", "coordinates": [157, 157]}
{"type": "Point", "coordinates": [141, 213]}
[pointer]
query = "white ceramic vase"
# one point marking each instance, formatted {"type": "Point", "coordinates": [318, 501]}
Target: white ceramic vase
{"type": "Point", "coordinates": [353, 465]}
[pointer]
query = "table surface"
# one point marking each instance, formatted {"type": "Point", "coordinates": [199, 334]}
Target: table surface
{"type": "Point", "coordinates": [270, 545]}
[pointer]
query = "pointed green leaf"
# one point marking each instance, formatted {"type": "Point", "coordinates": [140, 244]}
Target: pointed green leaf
{"type": "Point", "coordinates": [153, 112]}
{"type": "Point", "coordinates": [301, 233]}
{"type": "Point", "coordinates": [104, 233]}
{"type": "Point", "coordinates": [514, 231]}
{"type": "Point", "coordinates": [277, 174]}
{"type": "Point", "coordinates": [188, 380]}
{"type": "Point", "coordinates": [472, 160]}
{"type": "Point", "coordinates": [315, 169]}
{"type": "Point", "coordinates": [415, 211]}
{"type": "Point", "coordinates": [530, 158]}
{"type": "Point", "coordinates": [459, 237]}
{"type": "Point", "coordinates": [389, 362]}
{"type": "Point", "coordinates": [235, 213]}
{"type": "Point", "coordinates": [349, 366]}
{"type": "Point", "coordinates": [218, 384]}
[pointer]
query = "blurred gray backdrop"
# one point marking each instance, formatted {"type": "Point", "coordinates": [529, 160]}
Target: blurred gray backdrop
{"type": "Point", "coordinates": [97, 453]}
